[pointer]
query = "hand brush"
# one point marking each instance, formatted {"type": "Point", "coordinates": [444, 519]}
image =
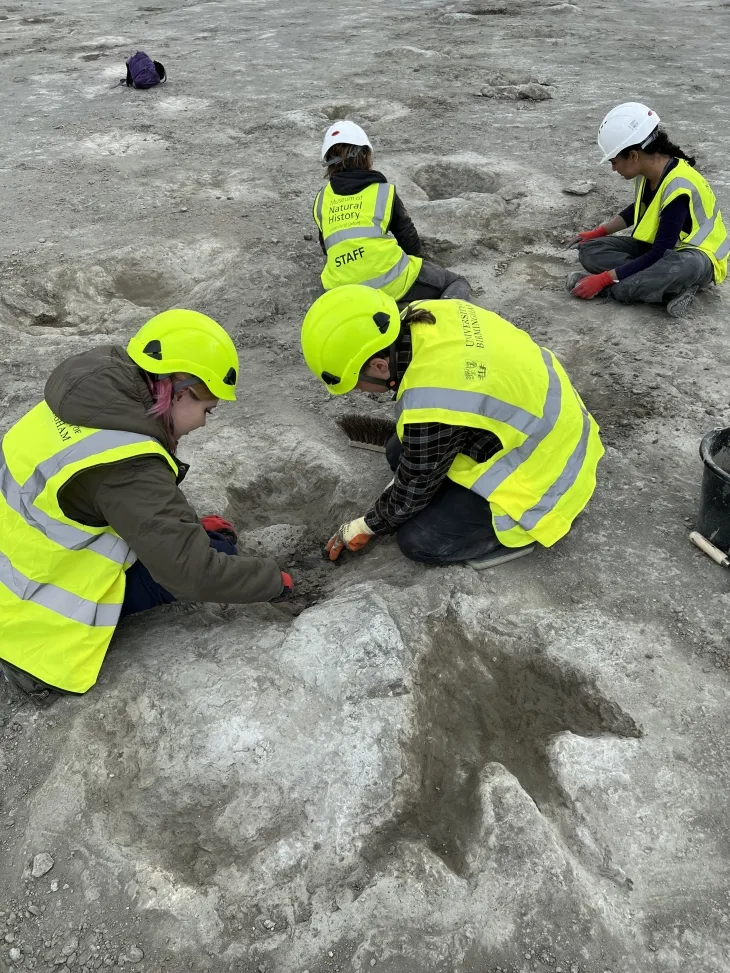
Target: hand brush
{"type": "Point", "coordinates": [367, 432]}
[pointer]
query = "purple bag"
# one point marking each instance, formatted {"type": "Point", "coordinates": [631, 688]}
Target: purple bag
{"type": "Point", "coordinates": [143, 72]}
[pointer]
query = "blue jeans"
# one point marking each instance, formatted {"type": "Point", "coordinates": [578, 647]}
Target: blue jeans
{"type": "Point", "coordinates": [142, 592]}
{"type": "Point", "coordinates": [455, 526]}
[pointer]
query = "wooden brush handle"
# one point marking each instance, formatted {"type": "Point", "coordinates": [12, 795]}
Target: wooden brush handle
{"type": "Point", "coordinates": [714, 552]}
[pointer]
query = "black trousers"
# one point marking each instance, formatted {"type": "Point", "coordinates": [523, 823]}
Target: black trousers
{"type": "Point", "coordinates": [455, 526]}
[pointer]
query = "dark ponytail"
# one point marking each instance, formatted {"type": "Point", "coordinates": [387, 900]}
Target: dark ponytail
{"type": "Point", "coordinates": [660, 145]}
{"type": "Point", "coordinates": [414, 314]}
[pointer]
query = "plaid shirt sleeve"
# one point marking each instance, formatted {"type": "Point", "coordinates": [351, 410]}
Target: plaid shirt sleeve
{"type": "Point", "coordinates": [429, 449]}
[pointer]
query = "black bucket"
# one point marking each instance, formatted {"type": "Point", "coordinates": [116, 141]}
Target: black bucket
{"type": "Point", "coordinates": [714, 518]}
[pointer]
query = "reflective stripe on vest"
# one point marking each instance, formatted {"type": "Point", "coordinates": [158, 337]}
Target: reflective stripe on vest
{"type": "Point", "coordinates": [364, 251]}
{"type": "Point", "coordinates": [56, 599]}
{"type": "Point", "coordinates": [318, 209]}
{"type": "Point", "coordinates": [357, 233]}
{"type": "Point", "coordinates": [536, 428]}
{"type": "Point", "coordinates": [539, 430]}
{"type": "Point", "coordinates": [549, 500]}
{"type": "Point", "coordinates": [391, 275]}
{"type": "Point", "coordinates": [61, 582]}
{"type": "Point", "coordinates": [456, 400]}
{"type": "Point", "coordinates": [544, 473]}
{"type": "Point", "coordinates": [706, 225]}
{"type": "Point", "coordinates": [22, 498]}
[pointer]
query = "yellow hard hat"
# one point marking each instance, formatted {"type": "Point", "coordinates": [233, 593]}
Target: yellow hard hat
{"type": "Point", "coordinates": [188, 341]}
{"type": "Point", "coordinates": [343, 329]}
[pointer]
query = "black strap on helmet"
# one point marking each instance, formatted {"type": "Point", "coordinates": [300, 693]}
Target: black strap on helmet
{"type": "Point", "coordinates": [153, 349]}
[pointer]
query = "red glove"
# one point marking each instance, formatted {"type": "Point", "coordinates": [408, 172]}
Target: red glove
{"type": "Point", "coordinates": [286, 580]}
{"type": "Point", "coordinates": [590, 286]}
{"type": "Point", "coordinates": [591, 234]}
{"type": "Point", "coordinates": [218, 525]}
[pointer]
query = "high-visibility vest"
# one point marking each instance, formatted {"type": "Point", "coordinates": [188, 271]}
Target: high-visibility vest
{"type": "Point", "coordinates": [359, 248]}
{"type": "Point", "coordinates": [707, 233]}
{"type": "Point", "coordinates": [61, 582]}
{"type": "Point", "coordinates": [472, 368]}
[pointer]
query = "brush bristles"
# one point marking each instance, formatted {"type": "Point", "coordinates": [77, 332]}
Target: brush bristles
{"type": "Point", "coordinates": [371, 430]}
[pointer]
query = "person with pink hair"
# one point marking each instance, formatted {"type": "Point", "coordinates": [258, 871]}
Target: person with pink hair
{"type": "Point", "coordinates": [93, 524]}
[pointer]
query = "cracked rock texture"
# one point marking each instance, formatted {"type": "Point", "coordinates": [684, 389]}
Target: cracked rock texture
{"type": "Point", "coordinates": [405, 769]}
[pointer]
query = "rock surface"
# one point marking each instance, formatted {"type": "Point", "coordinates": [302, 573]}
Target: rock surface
{"type": "Point", "coordinates": [42, 864]}
{"type": "Point", "coordinates": [580, 188]}
{"type": "Point", "coordinates": [405, 769]}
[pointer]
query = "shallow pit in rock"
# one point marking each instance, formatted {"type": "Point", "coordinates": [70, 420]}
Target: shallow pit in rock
{"type": "Point", "coordinates": [337, 112]}
{"type": "Point", "coordinates": [363, 112]}
{"type": "Point", "coordinates": [144, 287]}
{"type": "Point", "coordinates": [489, 10]}
{"type": "Point", "coordinates": [444, 180]}
{"type": "Point", "coordinates": [291, 497]}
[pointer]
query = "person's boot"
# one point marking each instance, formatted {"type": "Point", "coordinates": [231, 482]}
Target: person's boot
{"type": "Point", "coordinates": [573, 277]}
{"type": "Point", "coordinates": [500, 555]}
{"type": "Point", "coordinates": [37, 692]}
{"type": "Point", "coordinates": [680, 305]}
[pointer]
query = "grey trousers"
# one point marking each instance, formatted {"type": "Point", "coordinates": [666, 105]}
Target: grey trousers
{"type": "Point", "coordinates": [434, 282]}
{"type": "Point", "coordinates": [677, 271]}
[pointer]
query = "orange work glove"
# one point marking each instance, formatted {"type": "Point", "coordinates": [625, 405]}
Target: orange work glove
{"type": "Point", "coordinates": [352, 536]}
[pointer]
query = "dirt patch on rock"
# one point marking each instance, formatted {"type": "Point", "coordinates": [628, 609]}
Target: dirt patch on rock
{"type": "Point", "coordinates": [444, 180]}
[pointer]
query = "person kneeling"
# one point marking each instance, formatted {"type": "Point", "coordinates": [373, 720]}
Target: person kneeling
{"type": "Point", "coordinates": [93, 525]}
{"type": "Point", "coordinates": [495, 450]}
{"type": "Point", "coordinates": [364, 230]}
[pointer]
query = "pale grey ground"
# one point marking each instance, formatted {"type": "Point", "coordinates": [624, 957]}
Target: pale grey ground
{"type": "Point", "coordinates": [409, 769]}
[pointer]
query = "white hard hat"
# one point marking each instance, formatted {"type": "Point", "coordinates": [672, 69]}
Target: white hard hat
{"type": "Point", "coordinates": [347, 133]}
{"type": "Point", "coordinates": [625, 125]}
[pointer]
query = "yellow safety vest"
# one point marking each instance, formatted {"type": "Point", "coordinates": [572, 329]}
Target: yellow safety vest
{"type": "Point", "coordinates": [61, 582]}
{"type": "Point", "coordinates": [472, 368]}
{"type": "Point", "coordinates": [359, 248]}
{"type": "Point", "coordinates": [708, 232]}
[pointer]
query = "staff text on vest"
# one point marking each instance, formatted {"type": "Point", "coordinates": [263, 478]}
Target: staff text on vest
{"type": "Point", "coordinates": [348, 257]}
